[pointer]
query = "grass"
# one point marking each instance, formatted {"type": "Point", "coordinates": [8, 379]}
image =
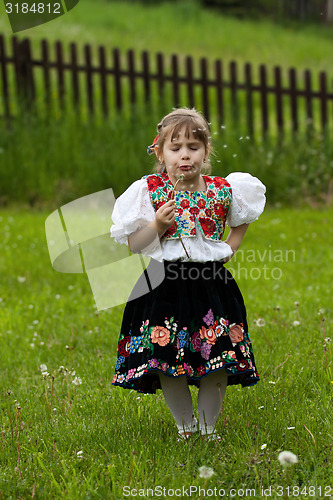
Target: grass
{"type": "Point", "coordinates": [127, 439]}
{"type": "Point", "coordinates": [183, 27]}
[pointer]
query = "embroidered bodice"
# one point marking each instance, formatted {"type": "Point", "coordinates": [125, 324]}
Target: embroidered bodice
{"type": "Point", "coordinates": [238, 199]}
{"type": "Point", "coordinates": [206, 210]}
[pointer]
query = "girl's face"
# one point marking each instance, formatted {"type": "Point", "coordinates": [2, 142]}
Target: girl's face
{"type": "Point", "coordinates": [183, 155]}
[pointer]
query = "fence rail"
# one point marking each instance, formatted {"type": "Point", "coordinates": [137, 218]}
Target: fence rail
{"type": "Point", "coordinates": [255, 100]}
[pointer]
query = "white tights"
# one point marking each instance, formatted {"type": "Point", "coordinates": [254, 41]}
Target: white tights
{"type": "Point", "coordinates": [210, 397]}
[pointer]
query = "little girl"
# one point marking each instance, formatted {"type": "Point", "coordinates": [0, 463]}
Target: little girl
{"type": "Point", "coordinates": [191, 328]}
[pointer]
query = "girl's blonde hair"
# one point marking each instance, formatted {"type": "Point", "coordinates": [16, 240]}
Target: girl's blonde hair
{"type": "Point", "coordinates": [194, 123]}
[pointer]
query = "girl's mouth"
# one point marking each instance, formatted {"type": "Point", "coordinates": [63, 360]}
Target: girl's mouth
{"type": "Point", "coordinates": [185, 167]}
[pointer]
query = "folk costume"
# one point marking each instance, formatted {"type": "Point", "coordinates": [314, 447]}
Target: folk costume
{"type": "Point", "coordinates": [194, 322]}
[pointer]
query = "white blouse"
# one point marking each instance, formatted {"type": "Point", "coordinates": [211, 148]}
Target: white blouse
{"type": "Point", "coordinates": [133, 210]}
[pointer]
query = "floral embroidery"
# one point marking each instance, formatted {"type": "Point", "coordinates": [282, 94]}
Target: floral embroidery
{"type": "Point", "coordinates": [209, 208]}
{"type": "Point", "coordinates": [196, 341]}
{"type": "Point", "coordinates": [236, 358]}
{"type": "Point", "coordinates": [236, 333]}
{"type": "Point", "coordinates": [205, 350]}
{"type": "Point", "coordinates": [124, 346]}
{"type": "Point", "coordinates": [160, 335]}
{"type": "Point", "coordinates": [136, 343]}
{"type": "Point", "coordinates": [208, 334]}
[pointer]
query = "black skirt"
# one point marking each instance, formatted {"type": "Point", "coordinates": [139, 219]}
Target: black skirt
{"type": "Point", "coordinates": [190, 325]}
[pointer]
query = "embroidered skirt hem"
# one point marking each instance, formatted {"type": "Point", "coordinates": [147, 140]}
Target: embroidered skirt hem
{"type": "Point", "coordinates": [191, 324]}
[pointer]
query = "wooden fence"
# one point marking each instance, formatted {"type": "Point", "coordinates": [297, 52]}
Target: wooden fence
{"type": "Point", "coordinates": [105, 82]}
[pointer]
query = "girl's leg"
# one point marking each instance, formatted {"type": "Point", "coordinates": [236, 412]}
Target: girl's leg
{"type": "Point", "coordinates": [178, 398]}
{"type": "Point", "coordinates": [211, 393]}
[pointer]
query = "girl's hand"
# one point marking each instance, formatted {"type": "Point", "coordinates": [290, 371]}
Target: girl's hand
{"type": "Point", "coordinates": [165, 216]}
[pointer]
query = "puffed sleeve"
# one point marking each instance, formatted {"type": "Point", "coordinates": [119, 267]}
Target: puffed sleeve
{"type": "Point", "coordinates": [248, 199]}
{"type": "Point", "coordinates": [132, 211]}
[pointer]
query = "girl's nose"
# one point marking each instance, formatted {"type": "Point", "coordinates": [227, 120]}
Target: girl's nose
{"type": "Point", "coordinates": [185, 153]}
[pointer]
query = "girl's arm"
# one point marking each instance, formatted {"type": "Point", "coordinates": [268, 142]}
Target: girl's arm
{"type": "Point", "coordinates": [235, 237]}
{"type": "Point", "coordinates": [165, 217]}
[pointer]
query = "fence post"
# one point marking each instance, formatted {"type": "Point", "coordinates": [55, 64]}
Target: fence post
{"type": "Point", "coordinates": [117, 78]}
{"type": "Point", "coordinates": [190, 81]}
{"type": "Point", "coordinates": [219, 92]}
{"type": "Point", "coordinates": [60, 74]}
{"type": "Point", "coordinates": [249, 101]}
{"type": "Point", "coordinates": [24, 72]}
{"type": "Point", "coordinates": [102, 65]}
{"type": "Point", "coordinates": [204, 83]}
{"type": "Point", "coordinates": [46, 72]}
{"type": "Point", "coordinates": [5, 88]}
{"type": "Point", "coordinates": [293, 98]}
{"type": "Point", "coordinates": [323, 99]}
{"type": "Point", "coordinates": [263, 98]}
{"type": "Point", "coordinates": [175, 80]}
{"type": "Point", "coordinates": [278, 100]}
{"type": "Point", "coordinates": [75, 76]}
{"type": "Point", "coordinates": [233, 89]}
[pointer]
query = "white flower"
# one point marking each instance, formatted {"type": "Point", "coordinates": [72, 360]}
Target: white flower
{"type": "Point", "coordinates": [206, 472]}
{"type": "Point", "coordinates": [260, 322]}
{"type": "Point", "coordinates": [79, 454]}
{"type": "Point", "coordinates": [261, 407]}
{"type": "Point", "coordinates": [77, 381]}
{"type": "Point", "coordinates": [21, 279]}
{"type": "Point", "coordinates": [290, 428]}
{"type": "Point", "coordinates": [287, 458]}
{"type": "Point", "coordinates": [264, 446]}
{"type": "Point", "coordinates": [45, 374]}
{"type": "Point", "coordinates": [43, 368]}
{"type": "Point", "coordinates": [271, 382]}
{"type": "Point", "coordinates": [296, 323]}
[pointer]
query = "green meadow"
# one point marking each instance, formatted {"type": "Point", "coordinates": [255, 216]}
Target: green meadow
{"type": "Point", "coordinates": [73, 435]}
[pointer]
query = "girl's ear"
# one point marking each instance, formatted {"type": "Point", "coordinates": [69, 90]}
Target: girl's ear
{"type": "Point", "coordinates": [207, 153]}
{"type": "Point", "coordinates": [158, 154]}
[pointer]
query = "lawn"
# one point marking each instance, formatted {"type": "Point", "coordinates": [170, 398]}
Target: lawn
{"type": "Point", "coordinates": [73, 434]}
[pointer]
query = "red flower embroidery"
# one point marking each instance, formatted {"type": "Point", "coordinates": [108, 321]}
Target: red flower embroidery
{"type": "Point", "coordinates": [201, 370]}
{"type": "Point", "coordinates": [208, 226]}
{"type": "Point", "coordinates": [154, 181]}
{"type": "Point", "coordinates": [208, 212]}
{"type": "Point", "coordinates": [124, 346]}
{"type": "Point", "coordinates": [194, 211]}
{"type": "Point", "coordinates": [184, 203]}
{"type": "Point", "coordinates": [236, 334]}
{"type": "Point", "coordinates": [192, 232]}
{"type": "Point", "coordinates": [201, 203]}
{"type": "Point", "coordinates": [218, 209]}
{"type": "Point", "coordinates": [243, 365]}
{"type": "Point", "coordinates": [170, 231]}
{"type": "Point", "coordinates": [210, 194]}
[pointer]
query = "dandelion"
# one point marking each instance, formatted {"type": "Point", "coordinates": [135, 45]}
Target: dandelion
{"type": "Point", "coordinates": [260, 322]}
{"type": "Point", "coordinates": [57, 296]}
{"type": "Point", "coordinates": [296, 323]}
{"type": "Point", "coordinates": [296, 304]}
{"type": "Point", "coordinates": [77, 381]}
{"type": "Point", "coordinates": [43, 368]}
{"type": "Point", "coordinates": [234, 156]}
{"type": "Point", "coordinates": [45, 375]}
{"type": "Point", "coordinates": [287, 458]}
{"type": "Point", "coordinates": [21, 279]}
{"type": "Point", "coordinates": [35, 322]}
{"type": "Point", "coordinates": [264, 446]}
{"type": "Point", "coordinates": [206, 472]}
{"type": "Point", "coordinates": [32, 345]}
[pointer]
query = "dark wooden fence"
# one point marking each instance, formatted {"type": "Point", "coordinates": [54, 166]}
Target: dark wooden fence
{"type": "Point", "coordinates": [104, 82]}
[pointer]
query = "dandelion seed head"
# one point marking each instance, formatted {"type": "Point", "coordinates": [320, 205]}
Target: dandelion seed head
{"type": "Point", "coordinates": [43, 368]}
{"type": "Point", "coordinates": [287, 458]}
{"type": "Point", "coordinates": [296, 323]}
{"type": "Point", "coordinates": [260, 322]}
{"type": "Point", "coordinates": [21, 279]}
{"type": "Point", "coordinates": [206, 472]}
{"type": "Point", "coordinates": [77, 381]}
